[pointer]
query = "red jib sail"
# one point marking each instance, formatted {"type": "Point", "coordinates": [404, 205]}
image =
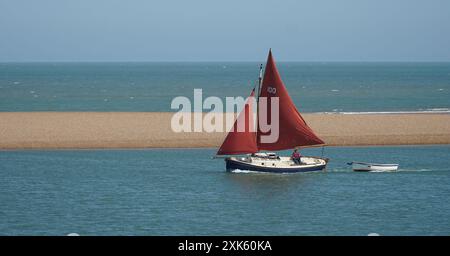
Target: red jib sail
{"type": "Point", "coordinates": [238, 141]}
{"type": "Point", "coordinates": [293, 130]}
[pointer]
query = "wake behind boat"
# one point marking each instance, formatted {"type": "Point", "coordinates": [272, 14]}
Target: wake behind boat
{"type": "Point", "coordinates": [292, 131]}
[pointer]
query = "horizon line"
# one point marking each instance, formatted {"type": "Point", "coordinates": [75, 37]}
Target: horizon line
{"type": "Point", "coordinates": [218, 61]}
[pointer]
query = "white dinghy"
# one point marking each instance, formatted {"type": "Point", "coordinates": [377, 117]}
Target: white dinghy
{"type": "Point", "coordinates": [373, 167]}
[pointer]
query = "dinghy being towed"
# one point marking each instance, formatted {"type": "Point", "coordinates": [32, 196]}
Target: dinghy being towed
{"type": "Point", "coordinates": [293, 132]}
{"type": "Point", "coordinates": [373, 167]}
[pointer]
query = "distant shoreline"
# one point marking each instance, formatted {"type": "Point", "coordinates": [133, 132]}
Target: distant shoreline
{"type": "Point", "coordinates": [134, 130]}
{"type": "Point", "coordinates": [406, 112]}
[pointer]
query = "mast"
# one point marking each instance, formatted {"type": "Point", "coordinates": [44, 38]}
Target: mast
{"type": "Point", "coordinates": [260, 79]}
{"type": "Point", "coordinates": [257, 100]}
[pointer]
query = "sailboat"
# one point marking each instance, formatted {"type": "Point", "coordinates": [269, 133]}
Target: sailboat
{"type": "Point", "coordinates": [248, 150]}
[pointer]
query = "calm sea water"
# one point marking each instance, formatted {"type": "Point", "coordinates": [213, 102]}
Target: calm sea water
{"type": "Point", "coordinates": [185, 192]}
{"type": "Point", "coordinates": [314, 87]}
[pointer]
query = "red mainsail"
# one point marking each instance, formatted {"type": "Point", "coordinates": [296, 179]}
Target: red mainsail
{"type": "Point", "coordinates": [241, 142]}
{"type": "Point", "coordinates": [293, 130]}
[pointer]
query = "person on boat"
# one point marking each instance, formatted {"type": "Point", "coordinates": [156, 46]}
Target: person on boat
{"type": "Point", "coordinates": [296, 157]}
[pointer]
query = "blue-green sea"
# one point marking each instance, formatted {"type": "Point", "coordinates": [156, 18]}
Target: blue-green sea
{"type": "Point", "coordinates": [185, 192]}
{"type": "Point", "coordinates": [313, 86]}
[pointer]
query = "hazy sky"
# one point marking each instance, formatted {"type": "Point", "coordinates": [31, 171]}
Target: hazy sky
{"type": "Point", "coordinates": [236, 30]}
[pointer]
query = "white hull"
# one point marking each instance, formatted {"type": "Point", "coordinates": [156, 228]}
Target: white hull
{"type": "Point", "coordinates": [373, 167]}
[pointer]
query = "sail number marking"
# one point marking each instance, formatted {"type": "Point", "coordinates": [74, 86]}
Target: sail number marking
{"type": "Point", "coordinates": [271, 90]}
